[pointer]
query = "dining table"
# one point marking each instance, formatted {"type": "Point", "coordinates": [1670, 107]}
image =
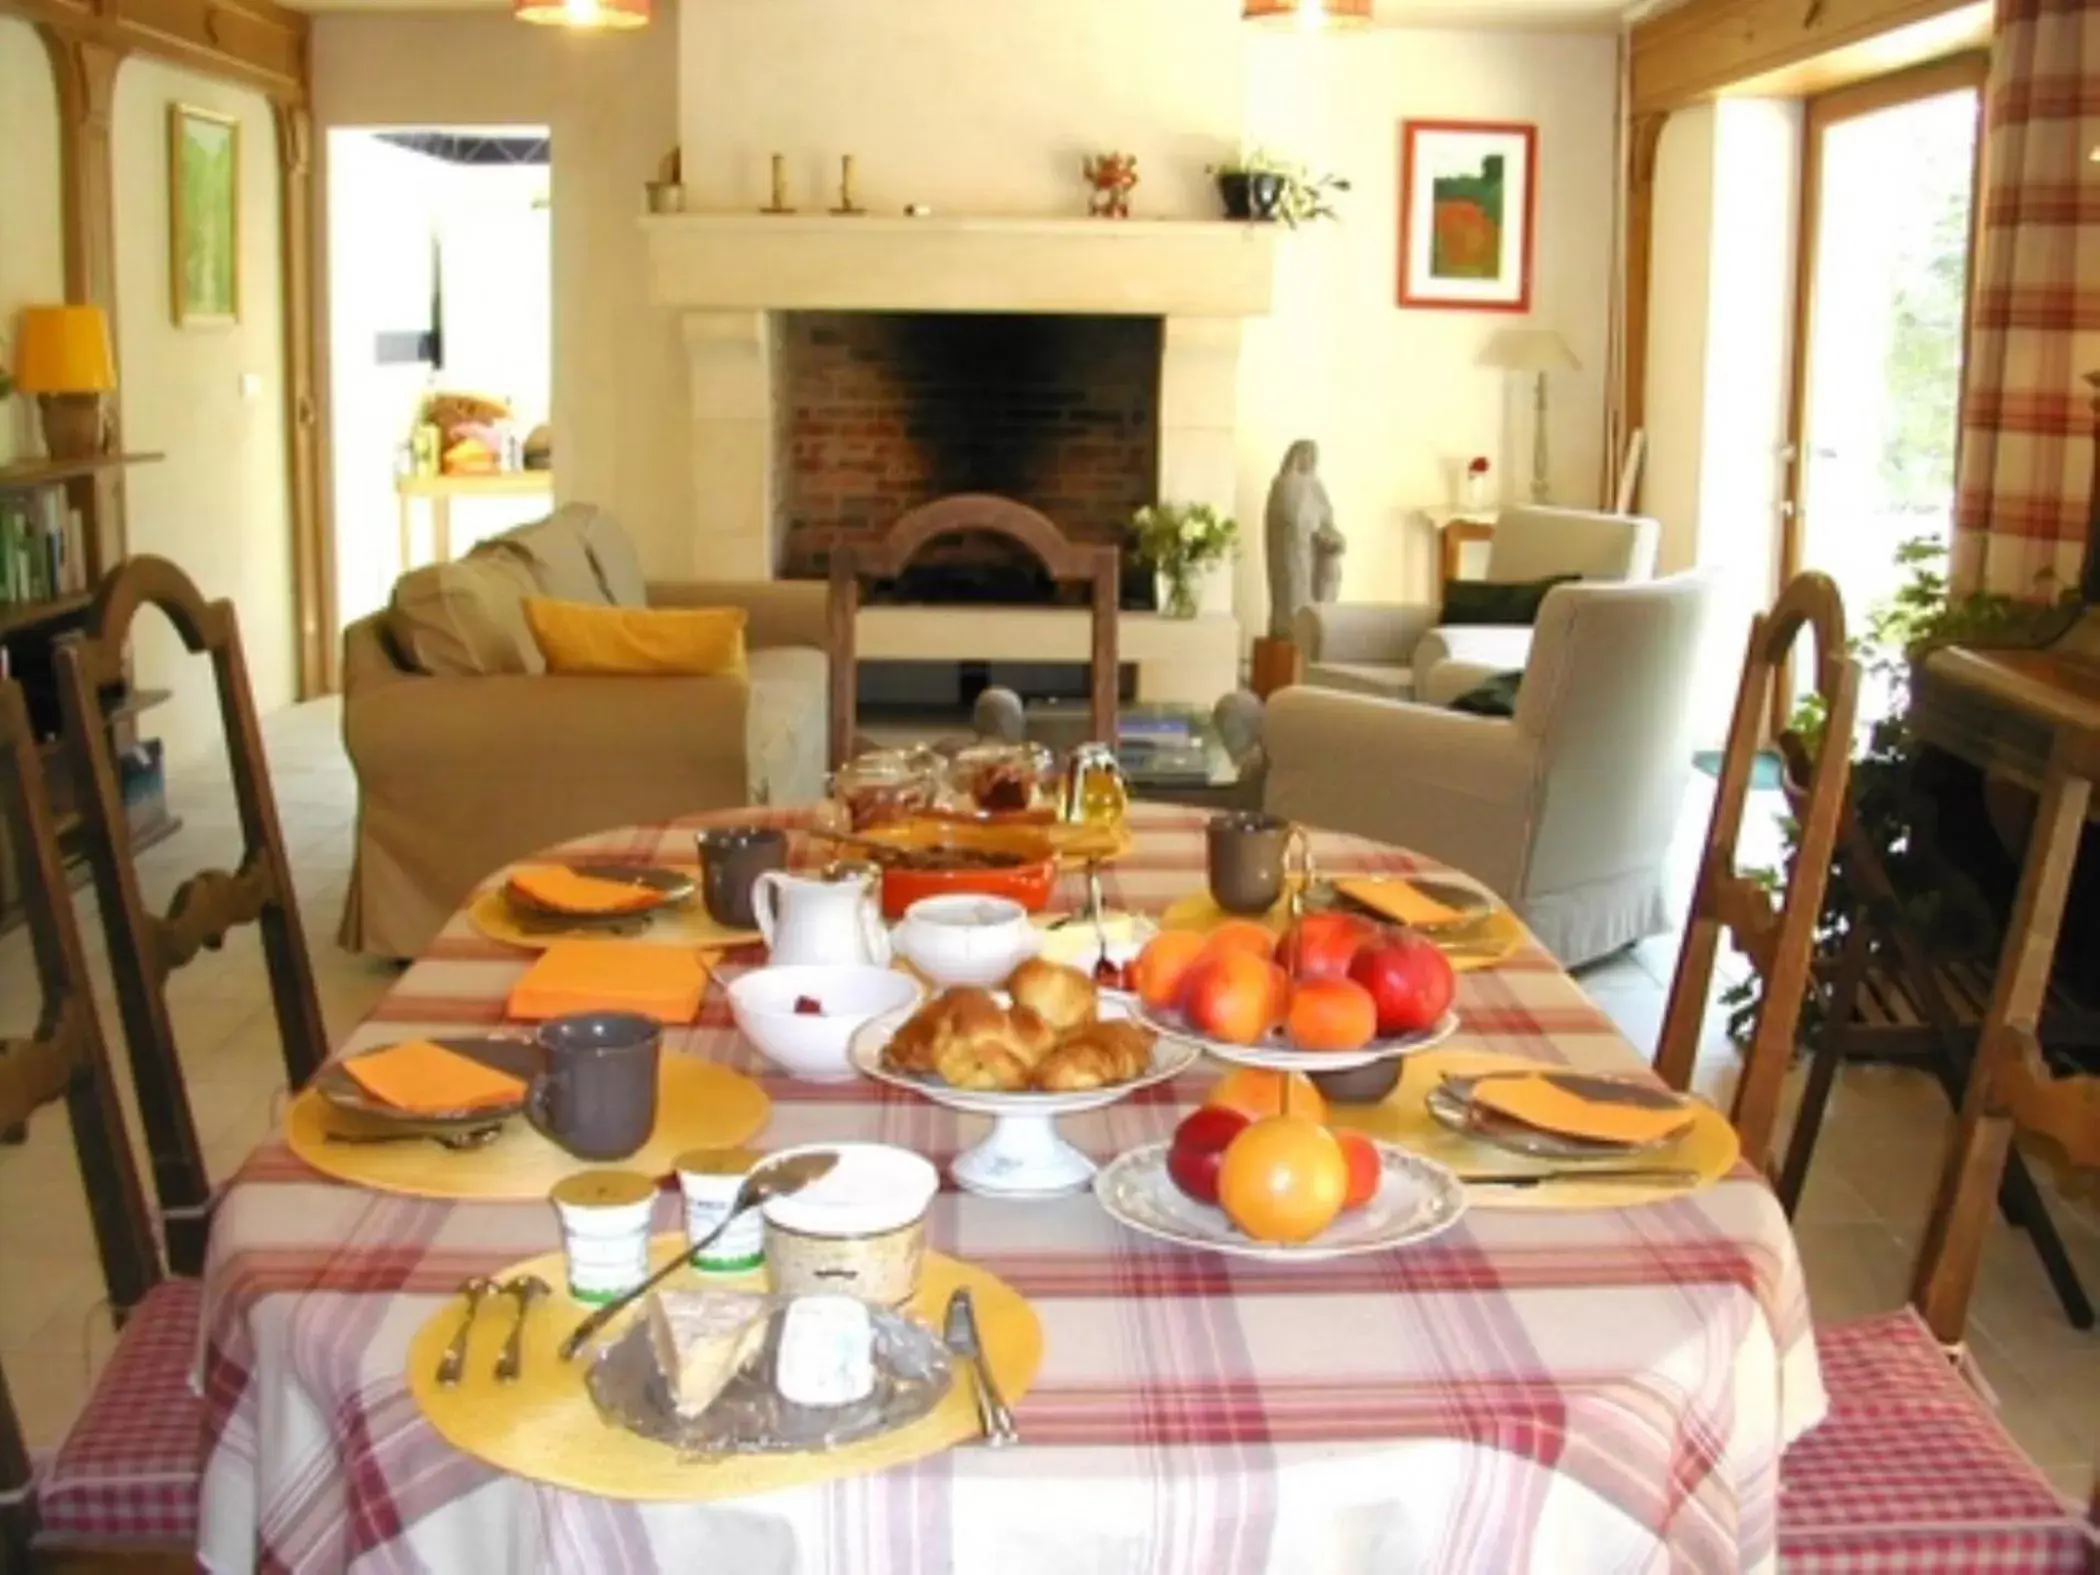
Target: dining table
{"type": "Point", "coordinates": [1580, 1389]}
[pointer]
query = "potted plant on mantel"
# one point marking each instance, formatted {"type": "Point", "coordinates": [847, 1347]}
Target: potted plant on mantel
{"type": "Point", "coordinates": [1261, 189]}
{"type": "Point", "coordinates": [1182, 541]}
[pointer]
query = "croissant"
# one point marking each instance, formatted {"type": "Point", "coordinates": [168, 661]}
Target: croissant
{"type": "Point", "coordinates": [1065, 997]}
{"type": "Point", "coordinates": [1097, 1056]}
{"type": "Point", "coordinates": [917, 1044]}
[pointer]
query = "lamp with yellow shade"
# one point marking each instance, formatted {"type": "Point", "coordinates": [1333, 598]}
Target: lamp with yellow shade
{"type": "Point", "coordinates": [62, 356]}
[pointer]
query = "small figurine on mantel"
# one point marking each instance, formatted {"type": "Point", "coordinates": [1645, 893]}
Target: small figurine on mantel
{"type": "Point", "coordinates": [1112, 175]}
{"type": "Point", "coordinates": [1305, 548]}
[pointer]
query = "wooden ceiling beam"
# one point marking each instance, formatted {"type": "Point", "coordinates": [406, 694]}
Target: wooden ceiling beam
{"type": "Point", "coordinates": [254, 42]}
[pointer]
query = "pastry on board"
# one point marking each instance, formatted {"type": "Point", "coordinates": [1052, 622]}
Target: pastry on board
{"type": "Point", "coordinates": [1050, 1039]}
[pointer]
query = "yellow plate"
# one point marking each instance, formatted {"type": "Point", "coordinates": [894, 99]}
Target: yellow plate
{"type": "Point", "coordinates": [699, 1105]}
{"type": "Point", "coordinates": [1483, 943]}
{"type": "Point", "coordinates": [544, 1426]}
{"type": "Point", "coordinates": [685, 924]}
{"type": "Point", "coordinates": [1403, 1117]}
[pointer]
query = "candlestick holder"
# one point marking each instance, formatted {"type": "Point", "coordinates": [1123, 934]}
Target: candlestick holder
{"type": "Point", "coordinates": [779, 204]}
{"type": "Point", "coordinates": [847, 208]}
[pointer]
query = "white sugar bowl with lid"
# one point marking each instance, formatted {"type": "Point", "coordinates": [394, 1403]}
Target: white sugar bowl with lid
{"type": "Point", "coordinates": [859, 1230]}
{"type": "Point", "coordinates": [966, 939]}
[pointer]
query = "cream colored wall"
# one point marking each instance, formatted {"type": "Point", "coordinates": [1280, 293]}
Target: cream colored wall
{"type": "Point", "coordinates": [965, 106]}
{"type": "Point", "coordinates": [1679, 293]}
{"type": "Point", "coordinates": [211, 399]}
{"type": "Point", "coordinates": [32, 255]}
{"type": "Point", "coordinates": [1395, 397]}
{"type": "Point", "coordinates": [611, 105]}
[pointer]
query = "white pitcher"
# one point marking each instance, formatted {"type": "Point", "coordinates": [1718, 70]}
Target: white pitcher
{"type": "Point", "coordinates": [830, 918]}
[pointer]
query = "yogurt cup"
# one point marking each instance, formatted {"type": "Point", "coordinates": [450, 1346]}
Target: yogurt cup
{"type": "Point", "coordinates": [604, 1231]}
{"type": "Point", "coordinates": [859, 1230]}
{"type": "Point", "coordinates": [709, 1179]}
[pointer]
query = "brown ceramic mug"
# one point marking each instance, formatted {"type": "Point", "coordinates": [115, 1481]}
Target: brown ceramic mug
{"type": "Point", "coordinates": [731, 860]}
{"type": "Point", "coordinates": [1249, 860]}
{"type": "Point", "coordinates": [595, 1094]}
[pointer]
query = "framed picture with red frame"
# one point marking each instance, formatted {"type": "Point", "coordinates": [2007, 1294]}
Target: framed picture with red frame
{"type": "Point", "coordinates": [1468, 206]}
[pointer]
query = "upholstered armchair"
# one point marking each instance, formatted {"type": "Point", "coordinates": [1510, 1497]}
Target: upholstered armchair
{"type": "Point", "coordinates": [1393, 649]}
{"type": "Point", "coordinates": [1565, 809]}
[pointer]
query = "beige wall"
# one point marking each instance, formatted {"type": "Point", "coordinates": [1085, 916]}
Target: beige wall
{"type": "Point", "coordinates": [611, 103]}
{"type": "Point", "coordinates": [211, 399]}
{"type": "Point", "coordinates": [32, 249]}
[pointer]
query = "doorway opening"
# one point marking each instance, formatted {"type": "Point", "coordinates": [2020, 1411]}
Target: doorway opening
{"type": "Point", "coordinates": [1888, 222]}
{"type": "Point", "coordinates": [440, 324]}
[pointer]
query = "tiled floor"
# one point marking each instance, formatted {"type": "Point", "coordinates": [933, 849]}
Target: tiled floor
{"type": "Point", "coordinates": [1857, 1228]}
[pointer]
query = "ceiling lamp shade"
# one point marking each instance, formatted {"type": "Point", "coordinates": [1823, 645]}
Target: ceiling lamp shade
{"type": "Point", "coordinates": [584, 16]}
{"type": "Point", "coordinates": [1308, 15]}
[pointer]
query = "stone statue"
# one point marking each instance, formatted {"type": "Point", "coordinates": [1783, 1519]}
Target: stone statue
{"type": "Point", "coordinates": [1305, 549]}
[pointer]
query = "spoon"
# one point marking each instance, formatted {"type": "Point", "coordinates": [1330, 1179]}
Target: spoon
{"type": "Point", "coordinates": [527, 1288]}
{"type": "Point", "coordinates": [775, 1179]}
{"type": "Point", "coordinates": [454, 1361]}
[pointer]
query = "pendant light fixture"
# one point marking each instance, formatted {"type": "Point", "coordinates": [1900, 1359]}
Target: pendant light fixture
{"type": "Point", "coordinates": [584, 16]}
{"type": "Point", "coordinates": [1307, 15]}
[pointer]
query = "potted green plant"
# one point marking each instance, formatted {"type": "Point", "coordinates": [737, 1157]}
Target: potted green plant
{"type": "Point", "coordinates": [1260, 188]}
{"type": "Point", "coordinates": [1181, 541]}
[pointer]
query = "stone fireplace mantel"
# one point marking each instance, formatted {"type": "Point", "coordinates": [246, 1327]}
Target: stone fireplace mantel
{"type": "Point", "coordinates": [787, 263]}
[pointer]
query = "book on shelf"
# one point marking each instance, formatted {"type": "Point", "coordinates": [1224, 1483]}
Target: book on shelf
{"type": "Point", "coordinates": [39, 549]}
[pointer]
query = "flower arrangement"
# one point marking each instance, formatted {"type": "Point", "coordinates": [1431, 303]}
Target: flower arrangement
{"type": "Point", "coordinates": [1476, 480]}
{"type": "Point", "coordinates": [1178, 539]}
{"type": "Point", "coordinates": [1262, 187]}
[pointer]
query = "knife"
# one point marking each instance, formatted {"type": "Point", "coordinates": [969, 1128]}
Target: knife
{"type": "Point", "coordinates": [1653, 1175]}
{"type": "Point", "coordinates": [959, 1334]}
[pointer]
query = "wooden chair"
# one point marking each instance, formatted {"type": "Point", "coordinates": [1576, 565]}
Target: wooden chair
{"type": "Point", "coordinates": [125, 1476]}
{"type": "Point", "coordinates": [1778, 940]}
{"type": "Point", "coordinates": [1065, 560]}
{"type": "Point", "coordinates": [1885, 994]}
{"type": "Point", "coordinates": [144, 947]}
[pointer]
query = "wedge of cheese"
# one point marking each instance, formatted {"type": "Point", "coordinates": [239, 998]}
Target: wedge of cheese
{"type": "Point", "coordinates": [701, 1340]}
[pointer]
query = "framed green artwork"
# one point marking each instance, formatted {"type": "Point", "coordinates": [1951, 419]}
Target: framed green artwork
{"type": "Point", "coordinates": [204, 216]}
{"type": "Point", "coordinates": [1468, 201]}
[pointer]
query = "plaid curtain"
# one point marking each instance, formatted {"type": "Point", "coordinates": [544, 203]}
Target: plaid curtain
{"type": "Point", "coordinates": [2027, 425]}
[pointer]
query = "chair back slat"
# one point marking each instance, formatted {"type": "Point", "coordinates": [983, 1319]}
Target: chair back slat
{"type": "Point", "coordinates": [1778, 939]}
{"type": "Point", "coordinates": [62, 1058]}
{"type": "Point", "coordinates": [145, 947]}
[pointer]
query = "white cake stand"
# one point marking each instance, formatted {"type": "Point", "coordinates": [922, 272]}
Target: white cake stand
{"type": "Point", "coordinates": [1023, 1156]}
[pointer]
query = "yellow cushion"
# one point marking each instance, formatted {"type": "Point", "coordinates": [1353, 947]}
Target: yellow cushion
{"type": "Point", "coordinates": [696, 642]}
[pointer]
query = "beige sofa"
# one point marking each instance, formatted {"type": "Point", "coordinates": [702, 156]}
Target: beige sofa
{"type": "Point", "coordinates": [1397, 650]}
{"type": "Point", "coordinates": [1566, 809]}
{"type": "Point", "coordinates": [469, 755]}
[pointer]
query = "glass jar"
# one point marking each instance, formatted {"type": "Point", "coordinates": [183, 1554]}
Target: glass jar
{"type": "Point", "coordinates": [998, 779]}
{"type": "Point", "coordinates": [886, 785]}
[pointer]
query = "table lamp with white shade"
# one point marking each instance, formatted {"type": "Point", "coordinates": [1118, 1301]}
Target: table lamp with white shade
{"type": "Point", "coordinates": [1537, 351]}
{"type": "Point", "coordinates": [62, 356]}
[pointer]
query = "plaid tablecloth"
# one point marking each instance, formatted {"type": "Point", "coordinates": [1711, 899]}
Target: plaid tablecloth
{"type": "Point", "coordinates": [1563, 1392]}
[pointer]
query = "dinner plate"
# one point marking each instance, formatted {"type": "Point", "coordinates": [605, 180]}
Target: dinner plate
{"type": "Point", "coordinates": [516, 1054]}
{"type": "Point", "coordinates": [1272, 1050]}
{"type": "Point", "coordinates": [670, 886]}
{"type": "Point", "coordinates": [1416, 1199]}
{"type": "Point", "coordinates": [1450, 1102]}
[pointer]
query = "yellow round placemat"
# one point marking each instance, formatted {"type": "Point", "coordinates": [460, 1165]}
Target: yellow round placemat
{"type": "Point", "coordinates": [698, 1105]}
{"type": "Point", "coordinates": [682, 924]}
{"type": "Point", "coordinates": [545, 1427]}
{"type": "Point", "coordinates": [1482, 944]}
{"type": "Point", "coordinates": [1403, 1117]}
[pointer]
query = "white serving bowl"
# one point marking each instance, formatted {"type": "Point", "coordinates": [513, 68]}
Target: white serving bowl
{"type": "Point", "coordinates": [966, 939]}
{"type": "Point", "coordinates": [812, 1046]}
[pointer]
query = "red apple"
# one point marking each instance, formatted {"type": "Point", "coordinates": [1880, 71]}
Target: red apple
{"type": "Point", "coordinates": [1199, 1148]}
{"type": "Point", "coordinates": [1366, 1169]}
{"type": "Point", "coordinates": [1410, 981]}
{"type": "Point", "coordinates": [1322, 945]}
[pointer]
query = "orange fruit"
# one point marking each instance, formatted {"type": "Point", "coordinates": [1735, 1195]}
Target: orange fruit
{"type": "Point", "coordinates": [1241, 935]}
{"type": "Point", "coordinates": [1330, 1014]}
{"type": "Point", "coordinates": [1257, 1091]}
{"type": "Point", "coordinates": [1283, 1179]}
{"type": "Point", "coordinates": [1279, 998]}
{"type": "Point", "coordinates": [1161, 970]}
{"type": "Point", "coordinates": [1231, 996]}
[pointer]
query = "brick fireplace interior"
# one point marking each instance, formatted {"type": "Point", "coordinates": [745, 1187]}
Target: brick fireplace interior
{"type": "Point", "coordinates": [879, 412]}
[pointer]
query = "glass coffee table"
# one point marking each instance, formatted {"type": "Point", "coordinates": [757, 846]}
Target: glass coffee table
{"type": "Point", "coordinates": [1169, 753]}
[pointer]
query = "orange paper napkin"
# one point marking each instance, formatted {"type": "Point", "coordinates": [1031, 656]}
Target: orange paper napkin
{"type": "Point", "coordinates": [565, 890]}
{"type": "Point", "coordinates": [1397, 900]}
{"type": "Point", "coordinates": [1539, 1102]}
{"type": "Point", "coordinates": [428, 1079]}
{"type": "Point", "coordinates": [604, 975]}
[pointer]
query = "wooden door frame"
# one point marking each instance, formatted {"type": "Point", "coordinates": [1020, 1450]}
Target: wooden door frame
{"type": "Point", "coordinates": [1821, 111]}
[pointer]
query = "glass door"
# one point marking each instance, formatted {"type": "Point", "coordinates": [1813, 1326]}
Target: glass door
{"type": "Point", "coordinates": [1886, 227]}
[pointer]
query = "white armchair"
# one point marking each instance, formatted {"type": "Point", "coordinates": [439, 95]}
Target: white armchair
{"type": "Point", "coordinates": [1392, 649]}
{"type": "Point", "coordinates": [1567, 808]}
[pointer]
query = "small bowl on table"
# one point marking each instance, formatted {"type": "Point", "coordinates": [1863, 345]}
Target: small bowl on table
{"type": "Point", "coordinates": [966, 939]}
{"type": "Point", "coordinates": [802, 1016]}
